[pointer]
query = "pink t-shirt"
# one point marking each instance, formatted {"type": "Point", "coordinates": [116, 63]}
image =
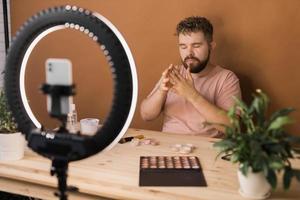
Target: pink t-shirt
{"type": "Point", "coordinates": [218, 87]}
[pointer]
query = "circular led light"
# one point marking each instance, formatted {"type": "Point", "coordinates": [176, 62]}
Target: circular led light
{"type": "Point", "coordinates": [119, 57]}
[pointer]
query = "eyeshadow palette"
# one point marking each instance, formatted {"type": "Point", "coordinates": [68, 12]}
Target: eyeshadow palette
{"type": "Point", "coordinates": [171, 171]}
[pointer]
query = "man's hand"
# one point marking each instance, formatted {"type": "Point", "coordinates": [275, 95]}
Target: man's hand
{"type": "Point", "coordinates": [183, 86]}
{"type": "Point", "coordinates": [165, 84]}
{"type": "Point", "coordinates": [152, 106]}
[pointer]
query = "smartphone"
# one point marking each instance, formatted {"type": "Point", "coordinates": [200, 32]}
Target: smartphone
{"type": "Point", "coordinates": [59, 72]}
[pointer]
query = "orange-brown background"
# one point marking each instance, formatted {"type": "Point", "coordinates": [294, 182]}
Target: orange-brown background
{"type": "Point", "coordinates": [258, 40]}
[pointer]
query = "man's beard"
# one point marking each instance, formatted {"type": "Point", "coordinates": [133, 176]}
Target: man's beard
{"type": "Point", "coordinates": [198, 66]}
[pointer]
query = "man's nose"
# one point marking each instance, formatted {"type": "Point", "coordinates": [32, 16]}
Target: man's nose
{"type": "Point", "coordinates": [190, 51]}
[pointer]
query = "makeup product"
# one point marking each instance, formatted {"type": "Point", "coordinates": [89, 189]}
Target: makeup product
{"type": "Point", "coordinates": [146, 141]}
{"type": "Point", "coordinates": [171, 171]}
{"type": "Point", "coordinates": [128, 139]}
{"type": "Point", "coordinates": [135, 142]}
{"type": "Point", "coordinates": [149, 141]}
{"type": "Point", "coordinates": [183, 148]}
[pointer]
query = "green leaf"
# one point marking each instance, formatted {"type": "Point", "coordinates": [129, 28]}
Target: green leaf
{"type": "Point", "coordinates": [244, 168]}
{"type": "Point", "coordinates": [272, 179]}
{"type": "Point", "coordinates": [232, 112]}
{"type": "Point", "coordinates": [229, 131]}
{"type": "Point", "coordinates": [276, 165]}
{"type": "Point", "coordinates": [7, 123]}
{"type": "Point", "coordinates": [234, 158]}
{"type": "Point", "coordinates": [287, 177]}
{"type": "Point", "coordinates": [282, 112]}
{"type": "Point", "coordinates": [258, 104]}
{"type": "Point", "coordinates": [279, 122]}
{"type": "Point", "coordinates": [218, 155]}
{"type": "Point", "coordinates": [265, 170]}
{"type": "Point", "coordinates": [224, 145]}
{"type": "Point", "coordinates": [240, 103]}
{"type": "Point", "coordinates": [264, 97]}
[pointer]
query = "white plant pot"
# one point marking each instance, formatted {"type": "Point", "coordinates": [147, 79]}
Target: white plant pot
{"type": "Point", "coordinates": [254, 185]}
{"type": "Point", "coordinates": [12, 146]}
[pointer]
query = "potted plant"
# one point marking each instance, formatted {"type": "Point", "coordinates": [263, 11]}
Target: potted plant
{"type": "Point", "coordinates": [12, 142]}
{"type": "Point", "coordinates": [260, 145]}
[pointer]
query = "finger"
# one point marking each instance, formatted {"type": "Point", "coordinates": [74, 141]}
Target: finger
{"type": "Point", "coordinates": [173, 79]}
{"type": "Point", "coordinates": [189, 75]}
{"type": "Point", "coordinates": [185, 75]}
{"type": "Point", "coordinates": [166, 83]}
{"type": "Point", "coordinates": [164, 88]}
{"type": "Point", "coordinates": [169, 69]}
{"type": "Point", "coordinates": [164, 73]}
{"type": "Point", "coordinates": [165, 80]}
{"type": "Point", "coordinates": [170, 66]}
{"type": "Point", "coordinates": [176, 67]}
{"type": "Point", "coordinates": [178, 75]}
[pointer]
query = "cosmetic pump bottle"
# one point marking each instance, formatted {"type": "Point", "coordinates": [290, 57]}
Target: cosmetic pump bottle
{"type": "Point", "coordinates": [72, 122]}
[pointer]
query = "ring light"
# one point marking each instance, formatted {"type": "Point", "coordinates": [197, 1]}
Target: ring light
{"type": "Point", "coordinates": [71, 147]}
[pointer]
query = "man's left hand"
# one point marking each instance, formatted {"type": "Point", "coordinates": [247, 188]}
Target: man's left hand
{"type": "Point", "coordinates": [183, 86]}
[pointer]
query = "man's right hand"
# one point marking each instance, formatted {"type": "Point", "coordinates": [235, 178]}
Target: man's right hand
{"type": "Point", "coordinates": [165, 83]}
{"type": "Point", "coordinates": [152, 106]}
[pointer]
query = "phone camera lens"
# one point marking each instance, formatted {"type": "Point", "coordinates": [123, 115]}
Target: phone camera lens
{"type": "Point", "coordinates": [50, 67]}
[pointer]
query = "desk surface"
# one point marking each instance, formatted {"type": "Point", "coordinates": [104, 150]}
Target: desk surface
{"type": "Point", "coordinates": [115, 173]}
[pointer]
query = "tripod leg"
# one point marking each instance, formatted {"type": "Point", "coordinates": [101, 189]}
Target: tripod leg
{"type": "Point", "coordinates": [60, 169]}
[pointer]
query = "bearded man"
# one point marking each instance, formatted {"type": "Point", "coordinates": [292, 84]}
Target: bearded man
{"type": "Point", "coordinates": [197, 91]}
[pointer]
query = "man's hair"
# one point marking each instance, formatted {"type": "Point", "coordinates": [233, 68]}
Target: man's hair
{"type": "Point", "coordinates": [195, 24]}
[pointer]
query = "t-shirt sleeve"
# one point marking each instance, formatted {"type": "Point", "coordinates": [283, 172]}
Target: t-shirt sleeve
{"type": "Point", "coordinates": [229, 88]}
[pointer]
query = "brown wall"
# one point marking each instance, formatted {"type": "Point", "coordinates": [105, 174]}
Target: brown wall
{"type": "Point", "coordinates": [258, 40]}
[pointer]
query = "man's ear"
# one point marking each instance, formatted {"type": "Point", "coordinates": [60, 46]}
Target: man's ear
{"type": "Point", "coordinates": [213, 44]}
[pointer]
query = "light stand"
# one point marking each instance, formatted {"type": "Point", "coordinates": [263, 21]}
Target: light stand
{"type": "Point", "coordinates": [59, 165]}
